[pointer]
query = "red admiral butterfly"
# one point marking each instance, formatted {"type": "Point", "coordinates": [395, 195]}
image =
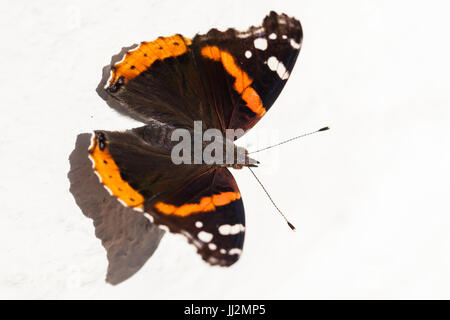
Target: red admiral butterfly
{"type": "Point", "coordinates": [227, 80]}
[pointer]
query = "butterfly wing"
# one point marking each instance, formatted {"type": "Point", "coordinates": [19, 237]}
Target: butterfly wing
{"type": "Point", "coordinates": [129, 238]}
{"type": "Point", "coordinates": [256, 65]}
{"type": "Point", "coordinates": [209, 211]}
{"type": "Point", "coordinates": [201, 202]}
{"type": "Point", "coordinates": [158, 82]}
{"type": "Point", "coordinates": [227, 79]}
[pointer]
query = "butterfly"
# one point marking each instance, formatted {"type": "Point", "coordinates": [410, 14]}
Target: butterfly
{"type": "Point", "coordinates": [227, 80]}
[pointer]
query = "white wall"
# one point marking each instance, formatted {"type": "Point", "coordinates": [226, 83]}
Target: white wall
{"type": "Point", "coordinates": [370, 198]}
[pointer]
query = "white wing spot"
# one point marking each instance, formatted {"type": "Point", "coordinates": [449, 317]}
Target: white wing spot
{"type": "Point", "coordinates": [109, 190]}
{"type": "Point", "coordinates": [108, 81]}
{"type": "Point", "coordinates": [235, 251]}
{"type": "Point", "coordinates": [256, 32]}
{"type": "Point", "coordinates": [122, 202]}
{"type": "Point", "coordinates": [243, 35]}
{"type": "Point", "coordinates": [272, 62]}
{"type": "Point", "coordinates": [121, 60]}
{"type": "Point", "coordinates": [278, 66]}
{"type": "Point", "coordinates": [227, 229]}
{"type": "Point", "coordinates": [284, 36]}
{"type": "Point", "coordinates": [99, 177]}
{"type": "Point", "coordinates": [237, 228]}
{"type": "Point", "coordinates": [260, 43]}
{"type": "Point", "coordinates": [163, 227]}
{"type": "Point", "coordinates": [149, 217]}
{"type": "Point", "coordinates": [93, 162]}
{"type": "Point", "coordinates": [213, 260]}
{"type": "Point", "coordinates": [273, 36]}
{"type": "Point", "coordinates": [223, 251]}
{"type": "Point", "coordinates": [212, 246]}
{"type": "Point", "coordinates": [92, 141]}
{"type": "Point", "coordinates": [135, 48]}
{"type": "Point", "coordinates": [248, 54]}
{"type": "Point", "coordinates": [205, 236]}
{"type": "Point", "coordinates": [294, 44]}
{"type": "Point", "coordinates": [198, 224]}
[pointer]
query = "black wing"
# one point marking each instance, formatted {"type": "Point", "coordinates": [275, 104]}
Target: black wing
{"type": "Point", "coordinates": [201, 202]}
{"type": "Point", "coordinates": [225, 79]}
{"type": "Point", "coordinates": [256, 64]}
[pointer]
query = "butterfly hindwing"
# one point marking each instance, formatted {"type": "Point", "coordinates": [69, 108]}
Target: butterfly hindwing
{"type": "Point", "coordinates": [136, 165]}
{"type": "Point", "coordinates": [201, 202]}
{"type": "Point", "coordinates": [209, 211]}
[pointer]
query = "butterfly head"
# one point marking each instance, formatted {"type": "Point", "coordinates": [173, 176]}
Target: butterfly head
{"type": "Point", "coordinates": [241, 159]}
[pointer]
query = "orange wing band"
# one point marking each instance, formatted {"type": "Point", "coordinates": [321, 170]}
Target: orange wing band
{"type": "Point", "coordinates": [109, 174]}
{"type": "Point", "coordinates": [206, 204]}
{"type": "Point", "coordinates": [140, 59]}
{"type": "Point", "coordinates": [242, 80]}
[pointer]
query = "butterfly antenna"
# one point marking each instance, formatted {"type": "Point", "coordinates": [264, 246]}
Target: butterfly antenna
{"type": "Point", "coordinates": [270, 198]}
{"type": "Point", "coordinates": [289, 140]}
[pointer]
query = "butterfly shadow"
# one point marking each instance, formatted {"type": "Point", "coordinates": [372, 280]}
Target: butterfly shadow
{"type": "Point", "coordinates": [129, 238]}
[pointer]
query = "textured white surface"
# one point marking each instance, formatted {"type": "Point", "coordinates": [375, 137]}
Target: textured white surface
{"type": "Point", "coordinates": [370, 198]}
